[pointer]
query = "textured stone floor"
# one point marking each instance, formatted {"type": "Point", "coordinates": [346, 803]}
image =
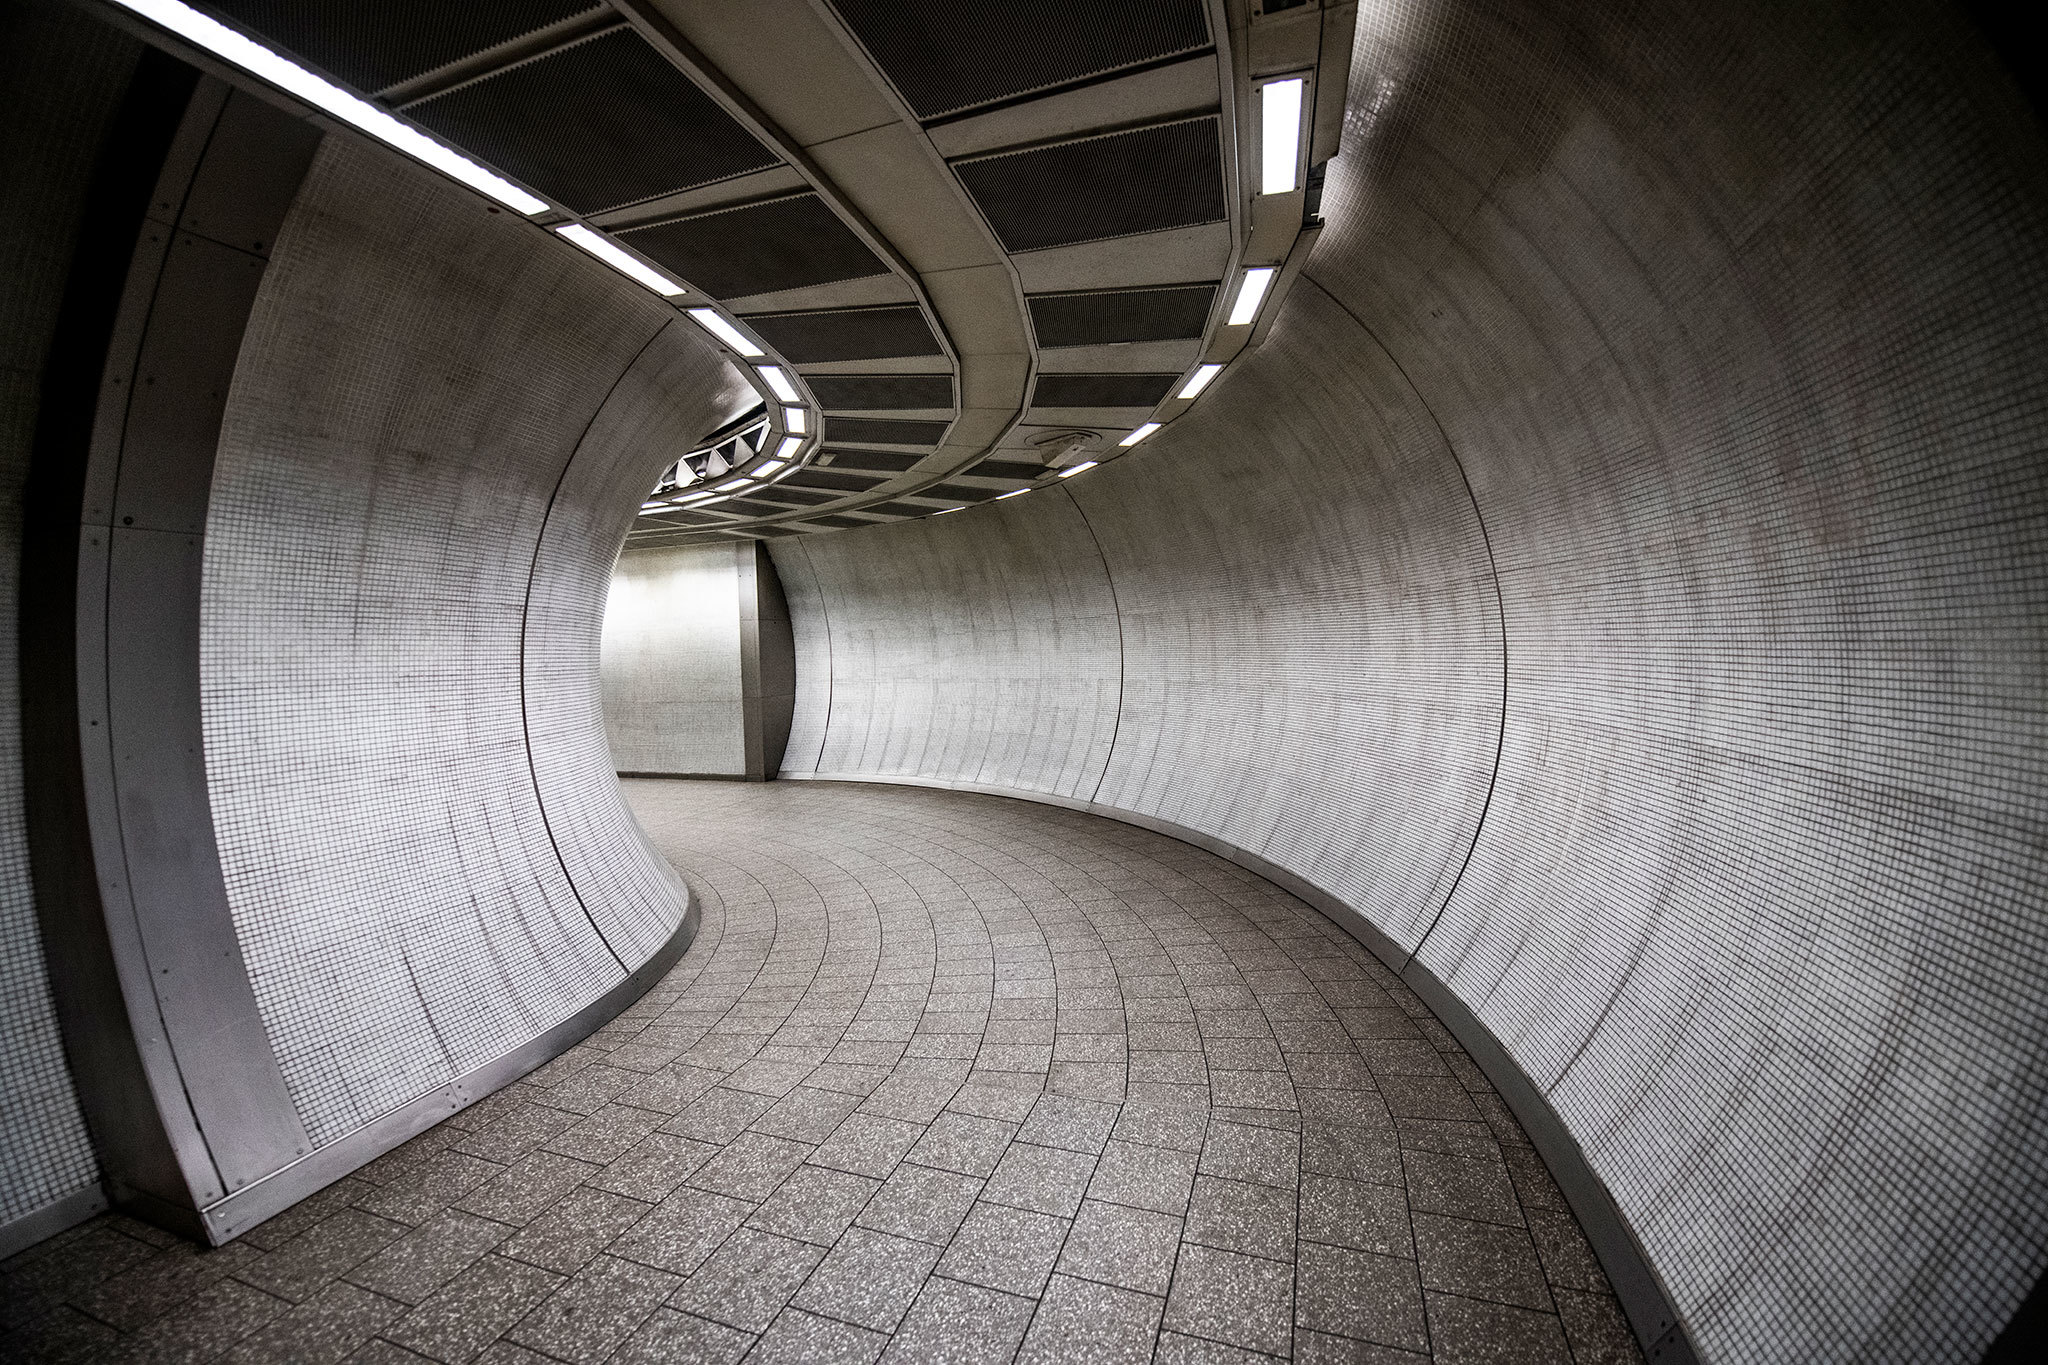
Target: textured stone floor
{"type": "Point", "coordinates": [944, 1078]}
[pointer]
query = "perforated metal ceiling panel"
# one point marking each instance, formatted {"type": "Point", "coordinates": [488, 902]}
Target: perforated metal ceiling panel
{"type": "Point", "coordinates": [1006, 469]}
{"type": "Point", "coordinates": [946, 57]}
{"type": "Point", "coordinates": [846, 334]}
{"type": "Point", "coordinates": [1116, 185]}
{"type": "Point", "coordinates": [872, 459]}
{"type": "Point", "coordinates": [1102, 390]}
{"type": "Point", "coordinates": [601, 124]}
{"type": "Point", "coordinates": [881, 431]}
{"type": "Point", "coordinates": [868, 391]}
{"type": "Point", "coordinates": [1174, 313]}
{"type": "Point", "coordinates": [759, 248]}
{"type": "Point", "coordinates": [828, 479]}
{"type": "Point", "coordinates": [372, 44]}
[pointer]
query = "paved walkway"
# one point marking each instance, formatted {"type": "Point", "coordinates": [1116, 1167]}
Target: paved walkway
{"type": "Point", "coordinates": [944, 1078]}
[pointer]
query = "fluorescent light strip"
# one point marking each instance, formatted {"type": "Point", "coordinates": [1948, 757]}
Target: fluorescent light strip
{"type": "Point", "coordinates": [1071, 470]}
{"type": "Point", "coordinates": [293, 79]}
{"type": "Point", "coordinates": [769, 470]}
{"type": "Point", "coordinates": [1280, 119]}
{"type": "Point", "coordinates": [1251, 294]}
{"type": "Point", "coordinates": [779, 385]}
{"type": "Point", "coordinates": [796, 420]}
{"type": "Point", "coordinates": [943, 510]}
{"type": "Point", "coordinates": [790, 446]}
{"type": "Point", "coordinates": [1140, 434]}
{"type": "Point", "coordinates": [618, 259]}
{"type": "Point", "coordinates": [1013, 493]}
{"type": "Point", "coordinates": [710, 321]}
{"type": "Point", "coordinates": [731, 486]}
{"type": "Point", "coordinates": [654, 507]}
{"type": "Point", "coordinates": [1199, 380]}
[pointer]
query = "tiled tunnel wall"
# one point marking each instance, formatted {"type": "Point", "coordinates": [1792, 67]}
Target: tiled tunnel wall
{"type": "Point", "coordinates": [57, 116]}
{"type": "Point", "coordinates": [1623, 576]}
{"type": "Point", "coordinates": [439, 430]}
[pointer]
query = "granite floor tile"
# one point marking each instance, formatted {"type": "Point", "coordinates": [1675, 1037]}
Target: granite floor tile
{"type": "Point", "coordinates": [748, 1280]}
{"type": "Point", "coordinates": [587, 1317]}
{"type": "Point", "coordinates": [1236, 1299]}
{"type": "Point", "coordinates": [1003, 1248]}
{"type": "Point", "coordinates": [800, 1338]}
{"type": "Point", "coordinates": [1127, 1247]}
{"type": "Point", "coordinates": [952, 1323]}
{"type": "Point", "coordinates": [1087, 1323]}
{"type": "Point", "coordinates": [869, 1278]}
{"type": "Point", "coordinates": [1475, 1332]}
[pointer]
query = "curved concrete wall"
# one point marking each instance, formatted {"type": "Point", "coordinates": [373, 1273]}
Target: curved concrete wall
{"type": "Point", "coordinates": [435, 441]}
{"type": "Point", "coordinates": [1621, 578]}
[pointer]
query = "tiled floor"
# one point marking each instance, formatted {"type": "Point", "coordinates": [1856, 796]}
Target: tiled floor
{"type": "Point", "coordinates": [944, 1078]}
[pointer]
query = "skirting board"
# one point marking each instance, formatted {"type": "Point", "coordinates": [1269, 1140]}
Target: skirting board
{"type": "Point", "coordinates": [1636, 1283]}
{"type": "Point", "coordinates": [19, 1234]}
{"type": "Point", "coordinates": [245, 1208]}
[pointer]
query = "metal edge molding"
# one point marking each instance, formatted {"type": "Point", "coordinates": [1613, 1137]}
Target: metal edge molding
{"type": "Point", "coordinates": [21, 1233]}
{"type": "Point", "coordinates": [1640, 1290]}
{"type": "Point", "coordinates": [230, 1217]}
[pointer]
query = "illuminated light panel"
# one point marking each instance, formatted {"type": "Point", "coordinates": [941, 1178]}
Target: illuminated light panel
{"type": "Point", "coordinates": [1251, 294]}
{"type": "Point", "coordinates": [732, 486]}
{"type": "Point", "coordinates": [618, 259]}
{"type": "Point", "coordinates": [796, 420]}
{"type": "Point", "coordinates": [1199, 380]}
{"type": "Point", "coordinates": [654, 507]}
{"type": "Point", "coordinates": [1280, 119]}
{"type": "Point", "coordinates": [324, 95]}
{"type": "Point", "coordinates": [778, 383]}
{"type": "Point", "coordinates": [1013, 493]}
{"type": "Point", "coordinates": [790, 446]}
{"type": "Point", "coordinates": [1071, 470]}
{"type": "Point", "coordinates": [710, 321]}
{"type": "Point", "coordinates": [770, 470]}
{"type": "Point", "coordinates": [1140, 434]}
{"type": "Point", "coordinates": [943, 510]}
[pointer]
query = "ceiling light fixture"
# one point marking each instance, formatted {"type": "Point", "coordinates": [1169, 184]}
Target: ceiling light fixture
{"type": "Point", "coordinates": [1280, 116]}
{"type": "Point", "coordinates": [1140, 434]}
{"type": "Point", "coordinates": [1199, 380]}
{"type": "Point", "coordinates": [615, 256]}
{"type": "Point", "coordinates": [710, 321]}
{"type": "Point", "coordinates": [732, 486]}
{"type": "Point", "coordinates": [1251, 294]}
{"type": "Point", "coordinates": [1071, 470]}
{"type": "Point", "coordinates": [1013, 493]}
{"type": "Point", "coordinates": [790, 446]}
{"type": "Point", "coordinates": [324, 95]}
{"type": "Point", "coordinates": [943, 510]}
{"type": "Point", "coordinates": [769, 470]}
{"type": "Point", "coordinates": [795, 420]}
{"type": "Point", "coordinates": [779, 384]}
{"type": "Point", "coordinates": [654, 507]}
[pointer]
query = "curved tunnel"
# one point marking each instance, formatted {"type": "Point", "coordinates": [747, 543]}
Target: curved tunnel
{"type": "Point", "coordinates": [1610, 588]}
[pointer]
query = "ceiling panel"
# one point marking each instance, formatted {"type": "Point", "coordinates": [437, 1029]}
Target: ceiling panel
{"type": "Point", "coordinates": [372, 44]}
{"type": "Point", "coordinates": [846, 334]}
{"type": "Point", "coordinates": [947, 57]}
{"type": "Point", "coordinates": [595, 126]}
{"type": "Point", "coordinates": [882, 461]}
{"type": "Point", "coordinates": [758, 248]}
{"type": "Point", "coordinates": [1102, 317]}
{"type": "Point", "coordinates": [869, 391]}
{"type": "Point", "coordinates": [884, 431]}
{"type": "Point", "coordinates": [1102, 390]}
{"type": "Point", "coordinates": [1115, 185]}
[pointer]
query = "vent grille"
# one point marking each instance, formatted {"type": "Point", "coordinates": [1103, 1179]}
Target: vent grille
{"type": "Point", "coordinates": [755, 509]}
{"type": "Point", "coordinates": [945, 58]}
{"type": "Point", "coordinates": [884, 432]}
{"type": "Point", "coordinates": [372, 44]}
{"type": "Point", "coordinates": [1006, 469]}
{"type": "Point", "coordinates": [959, 492]}
{"type": "Point", "coordinates": [900, 509]}
{"type": "Point", "coordinates": [846, 334]}
{"type": "Point", "coordinates": [597, 125]}
{"type": "Point", "coordinates": [838, 522]}
{"type": "Point", "coordinates": [1117, 185]}
{"type": "Point", "coordinates": [873, 459]}
{"type": "Point", "coordinates": [866, 391]}
{"type": "Point", "coordinates": [1102, 390]}
{"type": "Point", "coordinates": [782, 244]}
{"type": "Point", "coordinates": [827, 479]}
{"type": "Point", "coordinates": [1176, 313]}
{"type": "Point", "coordinates": [795, 496]}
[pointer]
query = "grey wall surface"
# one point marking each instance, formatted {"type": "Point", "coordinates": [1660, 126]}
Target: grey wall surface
{"type": "Point", "coordinates": [699, 676]}
{"type": "Point", "coordinates": [1623, 578]}
{"type": "Point", "coordinates": [431, 451]}
{"type": "Point", "coordinates": [63, 75]}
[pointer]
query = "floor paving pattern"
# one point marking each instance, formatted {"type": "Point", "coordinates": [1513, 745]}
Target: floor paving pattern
{"type": "Point", "coordinates": [945, 1077]}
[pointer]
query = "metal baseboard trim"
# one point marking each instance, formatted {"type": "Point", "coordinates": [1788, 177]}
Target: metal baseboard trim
{"type": "Point", "coordinates": [1638, 1287]}
{"type": "Point", "coordinates": [234, 1215]}
{"type": "Point", "coordinates": [37, 1225]}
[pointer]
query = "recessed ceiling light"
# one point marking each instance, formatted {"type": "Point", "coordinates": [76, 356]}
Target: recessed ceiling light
{"type": "Point", "coordinates": [1071, 470]}
{"type": "Point", "coordinates": [795, 420]}
{"type": "Point", "coordinates": [618, 259]}
{"type": "Point", "coordinates": [1199, 380]}
{"type": "Point", "coordinates": [329, 98]}
{"type": "Point", "coordinates": [943, 510]}
{"type": "Point", "coordinates": [769, 470]}
{"type": "Point", "coordinates": [710, 321]}
{"type": "Point", "coordinates": [779, 384]}
{"type": "Point", "coordinates": [789, 447]}
{"type": "Point", "coordinates": [1280, 115]}
{"type": "Point", "coordinates": [731, 485]}
{"type": "Point", "coordinates": [1013, 493]}
{"type": "Point", "coordinates": [1251, 294]}
{"type": "Point", "coordinates": [654, 507]}
{"type": "Point", "coordinates": [1140, 434]}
